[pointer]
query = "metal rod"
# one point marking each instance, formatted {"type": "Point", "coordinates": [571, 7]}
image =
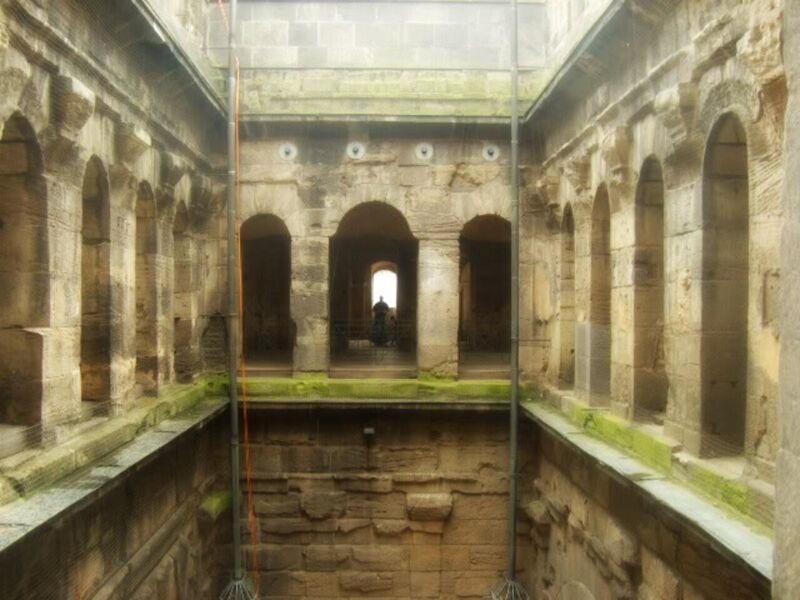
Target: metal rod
{"type": "Point", "coordinates": [233, 303]}
{"type": "Point", "coordinates": [513, 426]}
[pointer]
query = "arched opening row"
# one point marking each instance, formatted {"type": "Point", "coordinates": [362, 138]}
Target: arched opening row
{"type": "Point", "coordinates": [586, 347]}
{"type": "Point", "coordinates": [46, 292]}
{"type": "Point", "coordinates": [373, 295]}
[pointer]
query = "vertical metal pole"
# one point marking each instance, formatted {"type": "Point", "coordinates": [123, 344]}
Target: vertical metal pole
{"type": "Point", "coordinates": [233, 304]}
{"type": "Point", "coordinates": [513, 433]}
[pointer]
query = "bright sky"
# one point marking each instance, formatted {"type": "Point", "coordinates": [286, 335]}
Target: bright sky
{"type": "Point", "coordinates": [384, 283]}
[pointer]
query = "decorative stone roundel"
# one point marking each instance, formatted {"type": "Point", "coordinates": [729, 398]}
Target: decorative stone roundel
{"type": "Point", "coordinates": [356, 150]}
{"type": "Point", "coordinates": [287, 151]}
{"type": "Point", "coordinates": [424, 151]}
{"type": "Point", "coordinates": [490, 152]}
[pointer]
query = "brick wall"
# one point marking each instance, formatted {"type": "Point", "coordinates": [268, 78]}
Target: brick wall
{"type": "Point", "coordinates": [417, 510]}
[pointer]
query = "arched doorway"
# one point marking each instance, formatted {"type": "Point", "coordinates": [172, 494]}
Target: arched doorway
{"type": "Point", "coordinates": [95, 289]}
{"type": "Point", "coordinates": [147, 266]}
{"type": "Point", "coordinates": [567, 299]}
{"type": "Point", "coordinates": [24, 282]}
{"type": "Point", "coordinates": [600, 301]}
{"type": "Point", "coordinates": [650, 384]}
{"type": "Point", "coordinates": [373, 245]}
{"type": "Point", "coordinates": [485, 298]}
{"type": "Point", "coordinates": [267, 327]}
{"type": "Point", "coordinates": [725, 288]}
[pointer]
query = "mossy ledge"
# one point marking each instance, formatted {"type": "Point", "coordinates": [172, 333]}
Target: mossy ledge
{"type": "Point", "coordinates": [38, 468]}
{"type": "Point", "coordinates": [661, 453]}
{"type": "Point", "coordinates": [324, 388]}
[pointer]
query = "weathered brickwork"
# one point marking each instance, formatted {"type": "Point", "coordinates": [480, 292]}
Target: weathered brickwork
{"type": "Point", "coordinates": [649, 178]}
{"type": "Point", "coordinates": [154, 533]}
{"type": "Point", "coordinates": [415, 510]}
{"type": "Point", "coordinates": [109, 203]}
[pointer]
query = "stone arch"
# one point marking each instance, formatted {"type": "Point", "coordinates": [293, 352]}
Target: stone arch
{"type": "Point", "coordinates": [600, 298]}
{"type": "Point", "coordinates": [651, 386]}
{"type": "Point", "coordinates": [725, 288]}
{"type": "Point", "coordinates": [484, 292]}
{"type": "Point", "coordinates": [24, 280]}
{"type": "Point", "coordinates": [567, 297]}
{"type": "Point", "coordinates": [368, 233]}
{"type": "Point", "coordinates": [267, 327]}
{"type": "Point", "coordinates": [95, 286]}
{"type": "Point", "coordinates": [147, 265]}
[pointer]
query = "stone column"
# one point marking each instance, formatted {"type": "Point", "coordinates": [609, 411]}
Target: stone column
{"type": "Point", "coordinates": [623, 301]}
{"type": "Point", "coordinates": [162, 263]}
{"type": "Point", "coordinates": [437, 307]}
{"type": "Point", "coordinates": [309, 304]}
{"type": "Point", "coordinates": [683, 264]}
{"type": "Point", "coordinates": [583, 270]}
{"type": "Point", "coordinates": [123, 284]}
{"type": "Point", "coordinates": [786, 579]}
{"type": "Point", "coordinates": [61, 338]}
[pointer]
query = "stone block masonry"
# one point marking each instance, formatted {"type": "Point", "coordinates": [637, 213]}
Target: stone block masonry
{"type": "Point", "coordinates": [416, 509]}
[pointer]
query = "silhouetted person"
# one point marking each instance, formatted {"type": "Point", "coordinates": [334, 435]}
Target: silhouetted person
{"type": "Point", "coordinates": [379, 312]}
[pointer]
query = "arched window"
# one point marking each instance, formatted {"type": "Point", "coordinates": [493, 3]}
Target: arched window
{"type": "Point", "coordinates": [567, 298]}
{"type": "Point", "coordinates": [266, 277]}
{"type": "Point", "coordinates": [725, 288]}
{"type": "Point", "coordinates": [95, 288]}
{"type": "Point", "coordinates": [24, 280]}
{"type": "Point", "coordinates": [373, 253]}
{"type": "Point", "coordinates": [485, 297]}
{"type": "Point", "coordinates": [650, 386]}
{"type": "Point", "coordinates": [600, 301]}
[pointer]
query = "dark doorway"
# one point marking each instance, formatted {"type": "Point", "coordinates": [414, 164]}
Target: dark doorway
{"type": "Point", "coordinates": [726, 251]}
{"type": "Point", "coordinates": [267, 325]}
{"type": "Point", "coordinates": [368, 339]}
{"type": "Point", "coordinates": [484, 331]}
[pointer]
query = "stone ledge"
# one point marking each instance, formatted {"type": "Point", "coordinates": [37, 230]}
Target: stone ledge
{"type": "Point", "coordinates": [349, 392]}
{"type": "Point", "coordinates": [733, 536]}
{"type": "Point", "coordinates": [25, 474]}
{"type": "Point", "coordinates": [750, 501]}
{"type": "Point", "coordinates": [20, 518]}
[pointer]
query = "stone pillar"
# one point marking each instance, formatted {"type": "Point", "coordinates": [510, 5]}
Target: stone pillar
{"type": "Point", "coordinates": [163, 292]}
{"type": "Point", "coordinates": [623, 309]}
{"type": "Point", "coordinates": [683, 264]}
{"type": "Point", "coordinates": [437, 307]}
{"type": "Point", "coordinates": [61, 341]}
{"type": "Point", "coordinates": [185, 312]}
{"type": "Point", "coordinates": [786, 578]}
{"type": "Point", "coordinates": [309, 304]}
{"type": "Point", "coordinates": [583, 270]}
{"type": "Point", "coordinates": [123, 284]}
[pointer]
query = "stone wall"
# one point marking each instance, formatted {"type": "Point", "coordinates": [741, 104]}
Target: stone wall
{"type": "Point", "coordinates": [644, 135]}
{"type": "Point", "coordinates": [420, 58]}
{"type": "Point", "coordinates": [364, 503]}
{"type": "Point", "coordinates": [107, 143]}
{"type": "Point", "coordinates": [434, 195]}
{"type": "Point", "coordinates": [158, 531]}
{"type": "Point", "coordinates": [414, 509]}
{"type": "Point", "coordinates": [594, 537]}
{"type": "Point", "coordinates": [787, 513]}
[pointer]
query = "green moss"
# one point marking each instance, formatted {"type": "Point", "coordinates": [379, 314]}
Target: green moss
{"type": "Point", "coordinates": [612, 429]}
{"type": "Point", "coordinates": [732, 493]}
{"type": "Point", "coordinates": [216, 385]}
{"type": "Point", "coordinates": [653, 450]}
{"type": "Point", "coordinates": [216, 504]}
{"type": "Point", "coordinates": [486, 389]}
